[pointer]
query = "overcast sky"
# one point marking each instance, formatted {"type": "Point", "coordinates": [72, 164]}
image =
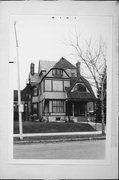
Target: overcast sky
{"type": "Point", "coordinates": [44, 38]}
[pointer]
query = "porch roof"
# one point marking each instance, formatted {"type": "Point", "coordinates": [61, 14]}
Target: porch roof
{"type": "Point", "coordinates": [82, 96]}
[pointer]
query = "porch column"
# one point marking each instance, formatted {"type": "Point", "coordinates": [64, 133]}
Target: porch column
{"type": "Point", "coordinates": [73, 109]}
{"type": "Point", "coordinates": [86, 109]}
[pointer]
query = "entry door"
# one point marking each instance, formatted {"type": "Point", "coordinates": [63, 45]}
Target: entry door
{"type": "Point", "coordinates": [79, 109]}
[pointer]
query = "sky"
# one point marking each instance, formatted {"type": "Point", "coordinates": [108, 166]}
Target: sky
{"type": "Point", "coordinates": [47, 37]}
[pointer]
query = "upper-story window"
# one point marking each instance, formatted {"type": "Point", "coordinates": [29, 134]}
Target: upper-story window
{"type": "Point", "coordinates": [57, 85]}
{"type": "Point", "coordinates": [72, 74]}
{"type": "Point", "coordinates": [35, 91]}
{"type": "Point", "coordinates": [47, 85]}
{"type": "Point", "coordinates": [57, 72]}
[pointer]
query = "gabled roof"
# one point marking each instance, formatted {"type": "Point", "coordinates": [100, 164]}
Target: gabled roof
{"type": "Point", "coordinates": [27, 90]}
{"type": "Point", "coordinates": [34, 79]}
{"type": "Point", "coordinates": [74, 80]}
{"type": "Point", "coordinates": [83, 96]}
{"type": "Point", "coordinates": [64, 64]}
{"type": "Point", "coordinates": [45, 65]}
{"type": "Point", "coordinates": [24, 92]}
{"type": "Point", "coordinates": [80, 95]}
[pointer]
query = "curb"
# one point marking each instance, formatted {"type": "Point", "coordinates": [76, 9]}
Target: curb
{"type": "Point", "coordinates": [61, 133]}
{"type": "Point", "coordinates": [60, 140]}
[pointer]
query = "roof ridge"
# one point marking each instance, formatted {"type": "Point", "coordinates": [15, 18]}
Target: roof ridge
{"type": "Point", "coordinates": [64, 64]}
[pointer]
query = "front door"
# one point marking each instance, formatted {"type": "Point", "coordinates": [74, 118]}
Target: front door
{"type": "Point", "coordinates": [79, 108]}
{"type": "Point", "coordinates": [75, 108]}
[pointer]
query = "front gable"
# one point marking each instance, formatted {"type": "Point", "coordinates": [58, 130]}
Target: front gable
{"type": "Point", "coordinates": [81, 87]}
{"type": "Point", "coordinates": [57, 73]}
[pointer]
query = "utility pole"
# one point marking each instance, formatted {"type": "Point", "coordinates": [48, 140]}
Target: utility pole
{"type": "Point", "coordinates": [19, 93]}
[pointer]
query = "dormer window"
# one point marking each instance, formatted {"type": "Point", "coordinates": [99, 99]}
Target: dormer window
{"type": "Point", "coordinates": [81, 88]}
{"type": "Point", "coordinates": [57, 72]}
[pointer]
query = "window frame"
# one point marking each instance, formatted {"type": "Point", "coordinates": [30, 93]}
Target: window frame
{"type": "Point", "coordinates": [55, 72]}
{"type": "Point", "coordinates": [35, 91]}
{"type": "Point", "coordinates": [59, 107]}
{"type": "Point", "coordinates": [53, 86]}
{"type": "Point", "coordinates": [35, 109]}
{"type": "Point", "coordinates": [83, 86]}
{"type": "Point", "coordinates": [44, 85]}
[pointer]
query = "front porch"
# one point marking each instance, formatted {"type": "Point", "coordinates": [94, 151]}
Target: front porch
{"type": "Point", "coordinates": [78, 110]}
{"type": "Point", "coordinates": [65, 110]}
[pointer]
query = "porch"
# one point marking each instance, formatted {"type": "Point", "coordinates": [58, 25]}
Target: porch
{"type": "Point", "coordinates": [78, 110]}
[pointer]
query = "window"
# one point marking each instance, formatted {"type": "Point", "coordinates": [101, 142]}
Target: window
{"type": "Point", "coordinates": [66, 84]}
{"type": "Point", "coordinates": [35, 108]}
{"type": "Point", "coordinates": [35, 91]}
{"type": "Point", "coordinates": [81, 88]}
{"type": "Point", "coordinates": [57, 85]}
{"type": "Point", "coordinates": [47, 85]}
{"type": "Point", "coordinates": [58, 106]}
{"type": "Point", "coordinates": [58, 72]}
{"type": "Point", "coordinates": [72, 74]}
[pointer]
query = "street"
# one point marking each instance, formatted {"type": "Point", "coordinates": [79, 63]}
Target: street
{"type": "Point", "coordinates": [90, 149]}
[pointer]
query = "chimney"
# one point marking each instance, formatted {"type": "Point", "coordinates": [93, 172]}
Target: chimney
{"type": "Point", "coordinates": [78, 64]}
{"type": "Point", "coordinates": [32, 68]}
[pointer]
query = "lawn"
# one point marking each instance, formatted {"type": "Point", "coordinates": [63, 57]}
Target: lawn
{"type": "Point", "coordinates": [40, 127]}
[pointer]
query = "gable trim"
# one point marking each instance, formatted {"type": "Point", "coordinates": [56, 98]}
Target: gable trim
{"type": "Point", "coordinates": [53, 77]}
{"type": "Point", "coordinates": [77, 81]}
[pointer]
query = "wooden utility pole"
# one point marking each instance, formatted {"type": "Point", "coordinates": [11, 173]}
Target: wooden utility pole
{"type": "Point", "coordinates": [19, 93]}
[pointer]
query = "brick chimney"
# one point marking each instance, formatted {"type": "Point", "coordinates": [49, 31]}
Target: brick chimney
{"type": "Point", "coordinates": [78, 64]}
{"type": "Point", "coordinates": [32, 68]}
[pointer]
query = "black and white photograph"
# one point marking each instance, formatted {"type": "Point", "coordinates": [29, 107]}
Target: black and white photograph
{"type": "Point", "coordinates": [61, 88]}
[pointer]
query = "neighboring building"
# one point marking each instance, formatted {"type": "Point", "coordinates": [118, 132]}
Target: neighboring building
{"type": "Point", "coordinates": [58, 92]}
{"type": "Point", "coordinates": [26, 101]}
{"type": "Point", "coordinates": [15, 105]}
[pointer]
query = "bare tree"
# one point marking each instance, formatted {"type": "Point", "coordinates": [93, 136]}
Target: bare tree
{"type": "Point", "coordinates": [93, 56]}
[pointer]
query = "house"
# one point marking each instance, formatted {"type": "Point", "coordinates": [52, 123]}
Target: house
{"type": "Point", "coordinates": [60, 92]}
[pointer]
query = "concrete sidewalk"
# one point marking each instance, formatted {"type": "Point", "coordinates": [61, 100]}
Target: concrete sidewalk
{"type": "Point", "coordinates": [58, 137]}
{"type": "Point", "coordinates": [58, 134]}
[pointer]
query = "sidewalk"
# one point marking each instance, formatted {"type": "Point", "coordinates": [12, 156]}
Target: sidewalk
{"type": "Point", "coordinates": [58, 137]}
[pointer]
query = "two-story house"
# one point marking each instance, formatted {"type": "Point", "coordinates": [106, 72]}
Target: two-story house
{"type": "Point", "coordinates": [63, 93]}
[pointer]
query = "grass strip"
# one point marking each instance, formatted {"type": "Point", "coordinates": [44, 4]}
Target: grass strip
{"type": "Point", "coordinates": [33, 127]}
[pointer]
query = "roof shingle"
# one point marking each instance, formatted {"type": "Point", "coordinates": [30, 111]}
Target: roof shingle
{"type": "Point", "coordinates": [84, 96]}
{"type": "Point", "coordinates": [45, 65]}
{"type": "Point", "coordinates": [64, 64]}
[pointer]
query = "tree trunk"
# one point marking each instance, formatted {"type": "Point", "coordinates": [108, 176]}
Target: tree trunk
{"type": "Point", "coordinates": [102, 109]}
{"type": "Point", "coordinates": [102, 114]}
